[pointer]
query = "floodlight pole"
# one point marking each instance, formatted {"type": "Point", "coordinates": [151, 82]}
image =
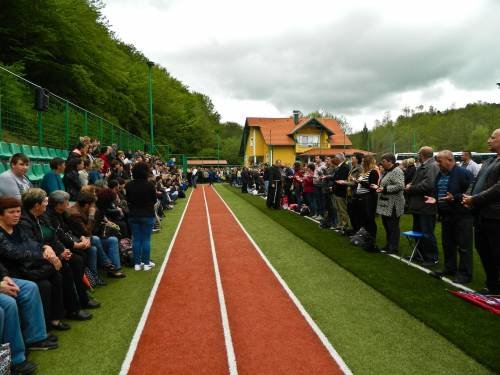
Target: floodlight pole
{"type": "Point", "coordinates": [151, 134]}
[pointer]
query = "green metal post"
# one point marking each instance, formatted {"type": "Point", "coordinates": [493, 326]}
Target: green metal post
{"type": "Point", "coordinates": [151, 134]}
{"type": "Point", "coordinates": [112, 134]}
{"type": "Point", "coordinates": [414, 142]}
{"type": "Point", "coordinates": [85, 123]}
{"type": "Point", "coordinates": [184, 163]}
{"type": "Point", "coordinates": [66, 125]}
{"type": "Point", "coordinates": [40, 128]}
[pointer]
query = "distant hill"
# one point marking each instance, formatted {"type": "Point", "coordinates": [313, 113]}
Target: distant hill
{"type": "Point", "coordinates": [68, 47]}
{"type": "Point", "coordinates": [454, 129]}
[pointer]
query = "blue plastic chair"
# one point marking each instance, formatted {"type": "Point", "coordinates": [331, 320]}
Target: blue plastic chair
{"type": "Point", "coordinates": [414, 239]}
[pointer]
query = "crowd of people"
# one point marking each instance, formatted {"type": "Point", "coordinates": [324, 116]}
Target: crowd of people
{"type": "Point", "coordinates": [347, 195]}
{"type": "Point", "coordinates": [91, 214]}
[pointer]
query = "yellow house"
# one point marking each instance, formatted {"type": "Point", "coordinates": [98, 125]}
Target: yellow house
{"type": "Point", "coordinates": [291, 139]}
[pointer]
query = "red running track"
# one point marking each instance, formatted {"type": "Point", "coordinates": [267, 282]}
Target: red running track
{"type": "Point", "coordinates": [184, 332]}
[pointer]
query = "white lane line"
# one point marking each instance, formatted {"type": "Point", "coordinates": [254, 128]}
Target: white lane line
{"type": "Point", "coordinates": [331, 350]}
{"type": "Point", "coordinates": [140, 327]}
{"type": "Point", "coordinates": [231, 357]}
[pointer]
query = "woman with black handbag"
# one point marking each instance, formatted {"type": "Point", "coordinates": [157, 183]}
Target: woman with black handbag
{"type": "Point", "coordinates": [35, 223]}
{"type": "Point", "coordinates": [30, 260]}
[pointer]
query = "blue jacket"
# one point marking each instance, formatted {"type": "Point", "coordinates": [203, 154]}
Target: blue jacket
{"type": "Point", "coordinates": [459, 182]}
{"type": "Point", "coordinates": [51, 182]}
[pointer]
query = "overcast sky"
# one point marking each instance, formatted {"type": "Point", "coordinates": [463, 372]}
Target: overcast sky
{"type": "Point", "coordinates": [354, 58]}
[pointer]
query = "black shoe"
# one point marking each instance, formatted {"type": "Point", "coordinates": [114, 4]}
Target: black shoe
{"type": "Point", "coordinates": [460, 279]}
{"type": "Point", "coordinates": [100, 282]}
{"type": "Point", "coordinates": [61, 326]}
{"type": "Point", "coordinates": [80, 315]}
{"type": "Point", "coordinates": [52, 338]}
{"type": "Point", "coordinates": [117, 274]}
{"type": "Point", "coordinates": [93, 304]}
{"type": "Point", "coordinates": [23, 368]}
{"type": "Point", "coordinates": [440, 274]}
{"type": "Point", "coordinates": [109, 267]}
{"type": "Point", "coordinates": [429, 263]}
{"type": "Point", "coordinates": [43, 345]}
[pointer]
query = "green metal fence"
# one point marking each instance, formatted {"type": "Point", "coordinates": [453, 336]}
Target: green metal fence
{"type": "Point", "coordinates": [58, 127]}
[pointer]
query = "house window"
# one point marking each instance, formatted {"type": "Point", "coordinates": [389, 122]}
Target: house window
{"type": "Point", "coordinates": [251, 142]}
{"type": "Point", "coordinates": [308, 140]}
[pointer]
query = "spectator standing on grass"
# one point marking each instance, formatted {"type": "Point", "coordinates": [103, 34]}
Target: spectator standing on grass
{"type": "Point", "coordinates": [484, 199]}
{"type": "Point", "coordinates": [470, 164]}
{"type": "Point", "coordinates": [194, 177]}
{"type": "Point", "coordinates": [340, 193]}
{"type": "Point", "coordinates": [424, 215]}
{"type": "Point", "coordinates": [456, 220]}
{"type": "Point", "coordinates": [14, 181]}
{"type": "Point", "coordinates": [275, 186]}
{"type": "Point", "coordinates": [365, 197]}
{"type": "Point", "coordinates": [298, 174]}
{"type": "Point", "coordinates": [141, 198]}
{"type": "Point", "coordinates": [391, 201]}
{"type": "Point", "coordinates": [308, 189]}
{"type": "Point", "coordinates": [351, 184]}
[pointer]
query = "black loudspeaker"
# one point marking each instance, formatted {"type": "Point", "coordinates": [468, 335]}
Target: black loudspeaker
{"type": "Point", "coordinates": [41, 99]}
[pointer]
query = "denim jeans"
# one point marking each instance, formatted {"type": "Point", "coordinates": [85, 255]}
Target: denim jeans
{"type": "Point", "coordinates": [92, 258]}
{"type": "Point", "coordinates": [108, 250]}
{"type": "Point", "coordinates": [101, 257]}
{"type": "Point", "coordinates": [27, 306]}
{"type": "Point", "coordinates": [141, 228]}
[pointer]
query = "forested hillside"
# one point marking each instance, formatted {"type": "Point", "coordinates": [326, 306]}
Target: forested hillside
{"type": "Point", "coordinates": [67, 47]}
{"type": "Point", "coordinates": [454, 129]}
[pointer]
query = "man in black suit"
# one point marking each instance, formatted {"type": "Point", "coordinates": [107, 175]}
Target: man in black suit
{"type": "Point", "coordinates": [484, 199]}
{"type": "Point", "coordinates": [275, 186]}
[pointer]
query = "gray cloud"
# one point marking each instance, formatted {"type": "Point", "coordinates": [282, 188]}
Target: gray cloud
{"type": "Point", "coordinates": [356, 63]}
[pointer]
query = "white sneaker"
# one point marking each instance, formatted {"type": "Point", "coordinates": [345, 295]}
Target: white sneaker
{"type": "Point", "coordinates": [147, 267]}
{"type": "Point", "coordinates": [138, 267]}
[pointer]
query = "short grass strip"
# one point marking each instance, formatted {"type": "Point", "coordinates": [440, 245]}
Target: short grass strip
{"type": "Point", "coordinates": [99, 345]}
{"type": "Point", "coordinates": [473, 330]}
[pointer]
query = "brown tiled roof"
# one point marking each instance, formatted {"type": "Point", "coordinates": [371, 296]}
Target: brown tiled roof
{"type": "Point", "coordinates": [279, 131]}
{"type": "Point", "coordinates": [334, 150]}
{"type": "Point", "coordinates": [206, 162]}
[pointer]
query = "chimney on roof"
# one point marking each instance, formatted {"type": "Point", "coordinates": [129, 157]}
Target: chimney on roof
{"type": "Point", "coordinates": [296, 116]}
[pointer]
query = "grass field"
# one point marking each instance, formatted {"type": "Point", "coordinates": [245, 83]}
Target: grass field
{"type": "Point", "coordinates": [99, 346]}
{"type": "Point", "coordinates": [473, 330]}
{"type": "Point", "coordinates": [371, 307]}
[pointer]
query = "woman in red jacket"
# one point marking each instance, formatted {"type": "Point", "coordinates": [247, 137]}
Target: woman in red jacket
{"type": "Point", "coordinates": [307, 187]}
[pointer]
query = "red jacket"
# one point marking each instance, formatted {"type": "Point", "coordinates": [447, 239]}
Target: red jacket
{"type": "Point", "coordinates": [307, 182]}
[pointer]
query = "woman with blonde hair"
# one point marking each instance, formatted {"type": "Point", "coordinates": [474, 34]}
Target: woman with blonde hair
{"type": "Point", "coordinates": [365, 197]}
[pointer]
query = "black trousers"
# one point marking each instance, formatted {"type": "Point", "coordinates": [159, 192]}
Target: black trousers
{"type": "Point", "coordinates": [456, 237]}
{"type": "Point", "coordinates": [274, 194]}
{"type": "Point", "coordinates": [488, 247]}
{"type": "Point", "coordinates": [392, 232]}
{"type": "Point", "coordinates": [51, 293]}
{"type": "Point", "coordinates": [77, 265]}
{"type": "Point", "coordinates": [364, 207]}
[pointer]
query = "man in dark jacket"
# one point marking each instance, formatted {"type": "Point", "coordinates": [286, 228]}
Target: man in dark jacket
{"type": "Point", "coordinates": [484, 198]}
{"type": "Point", "coordinates": [340, 192]}
{"type": "Point", "coordinates": [424, 215]}
{"type": "Point", "coordinates": [456, 220]}
{"type": "Point", "coordinates": [275, 186]}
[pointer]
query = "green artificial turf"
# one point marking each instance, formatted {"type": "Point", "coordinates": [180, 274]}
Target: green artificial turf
{"type": "Point", "coordinates": [99, 346]}
{"type": "Point", "coordinates": [472, 329]}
